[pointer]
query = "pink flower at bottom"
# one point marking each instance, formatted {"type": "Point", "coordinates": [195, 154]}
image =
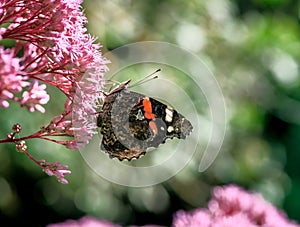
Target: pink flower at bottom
{"type": "Point", "coordinates": [230, 206]}
{"type": "Point", "coordinates": [200, 217]}
{"type": "Point", "coordinates": [91, 222]}
{"type": "Point", "coordinates": [233, 206]}
{"type": "Point", "coordinates": [84, 222]}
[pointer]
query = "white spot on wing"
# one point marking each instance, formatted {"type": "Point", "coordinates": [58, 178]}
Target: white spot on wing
{"type": "Point", "coordinates": [169, 114]}
{"type": "Point", "coordinates": [170, 128]}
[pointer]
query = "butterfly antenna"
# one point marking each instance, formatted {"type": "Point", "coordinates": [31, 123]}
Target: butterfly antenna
{"type": "Point", "coordinates": [147, 78]}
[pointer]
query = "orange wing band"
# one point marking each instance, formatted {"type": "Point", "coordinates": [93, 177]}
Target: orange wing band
{"type": "Point", "coordinates": [148, 109]}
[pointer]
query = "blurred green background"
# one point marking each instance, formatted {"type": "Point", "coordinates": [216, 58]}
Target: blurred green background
{"type": "Point", "coordinates": [253, 49]}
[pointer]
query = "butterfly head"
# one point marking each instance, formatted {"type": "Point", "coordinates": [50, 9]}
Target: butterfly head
{"type": "Point", "coordinates": [120, 87]}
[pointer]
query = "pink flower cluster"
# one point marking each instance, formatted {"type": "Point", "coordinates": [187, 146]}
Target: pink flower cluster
{"type": "Point", "coordinates": [10, 80]}
{"type": "Point", "coordinates": [51, 48]}
{"type": "Point", "coordinates": [233, 206]}
{"type": "Point", "coordinates": [230, 206]}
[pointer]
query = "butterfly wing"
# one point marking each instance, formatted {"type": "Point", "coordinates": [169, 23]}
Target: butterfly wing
{"type": "Point", "coordinates": [118, 141]}
{"type": "Point", "coordinates": [163, 121]}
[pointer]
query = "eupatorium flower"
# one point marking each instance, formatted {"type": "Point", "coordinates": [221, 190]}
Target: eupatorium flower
{"type": "Point", "coordinates": [51, 48]}
{"type": "Point", "coordinates": [11, 81]}
{"type": "Point", "coordinates": [233, 206]}
{"type": "Point", "coordinates": [35, 97]}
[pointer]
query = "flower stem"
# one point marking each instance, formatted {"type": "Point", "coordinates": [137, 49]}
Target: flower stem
{"type": "Point", "coordinates": [36, 135]}
{"type": "Point", "coordinates": [31, 158]}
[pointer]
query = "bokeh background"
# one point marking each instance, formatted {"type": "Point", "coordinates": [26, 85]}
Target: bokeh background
{"type": "Point", "coordinates": [253, 49]}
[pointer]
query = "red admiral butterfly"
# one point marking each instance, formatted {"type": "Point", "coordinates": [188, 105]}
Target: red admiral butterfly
{"type": "Point", "coordinates": [131, 122]}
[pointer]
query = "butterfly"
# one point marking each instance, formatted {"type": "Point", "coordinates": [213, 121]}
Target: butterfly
{"type": "Point", "coordinates": [131, 122]}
